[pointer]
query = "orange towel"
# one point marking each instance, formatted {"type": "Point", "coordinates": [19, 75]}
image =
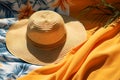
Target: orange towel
{"type": "Point", "coordinates": [97, 59]}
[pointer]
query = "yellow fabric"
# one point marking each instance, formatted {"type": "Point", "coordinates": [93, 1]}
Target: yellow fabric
{"type": "Point", "coordinates": [96, 59]}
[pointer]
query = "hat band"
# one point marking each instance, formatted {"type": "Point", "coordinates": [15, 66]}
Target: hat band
{"type": "Point", "coordinates": [50, 46]}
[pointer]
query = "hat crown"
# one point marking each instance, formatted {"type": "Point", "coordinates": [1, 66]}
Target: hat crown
{"type": "Point", "coordinates": [46, 28]}
{"type": "Point", "coordinates": [45, 20]}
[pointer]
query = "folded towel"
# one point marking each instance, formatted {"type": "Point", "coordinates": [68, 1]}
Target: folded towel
{"type": "Point", "coordinates": [96, 59]}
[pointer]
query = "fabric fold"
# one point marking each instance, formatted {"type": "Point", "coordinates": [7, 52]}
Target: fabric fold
{"type": "Point", "coordinates": [97, 59]}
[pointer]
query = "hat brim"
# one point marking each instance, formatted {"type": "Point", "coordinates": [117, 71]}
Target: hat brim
{"type": "Point", "coordinates": [18, 44]}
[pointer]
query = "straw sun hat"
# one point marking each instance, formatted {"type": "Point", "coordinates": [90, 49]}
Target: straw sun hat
{"type": "Point", "coordinates": [45, 37]}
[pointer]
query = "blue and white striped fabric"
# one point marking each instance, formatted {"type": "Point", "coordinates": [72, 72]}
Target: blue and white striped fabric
{"type": "Point", "coordinates": [11, 8]}
{"type": "Point", "coordinates": [10, 66]}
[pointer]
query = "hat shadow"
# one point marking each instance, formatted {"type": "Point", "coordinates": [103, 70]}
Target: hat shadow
{"type": "Point", "coordinates": [68, 18]}
{"type": "Point", "coordinates": [44, 56]}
